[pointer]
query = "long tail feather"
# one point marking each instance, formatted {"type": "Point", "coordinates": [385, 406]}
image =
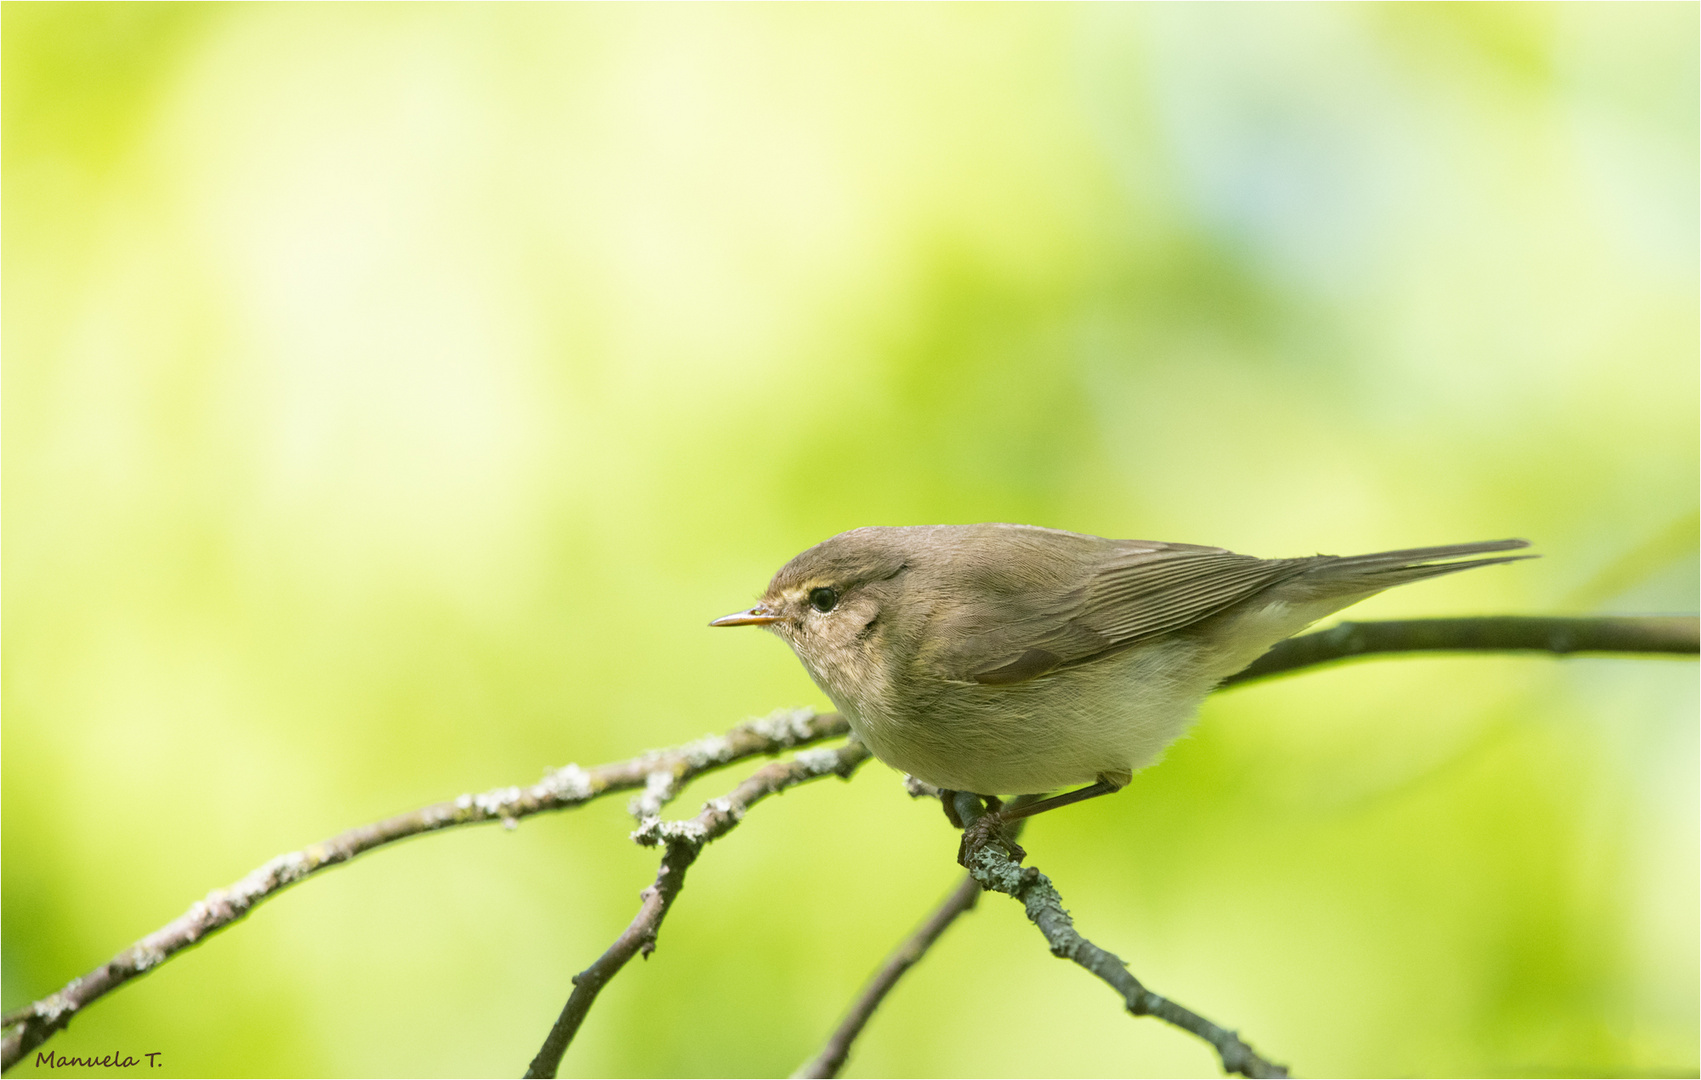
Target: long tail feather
{"type": "Point", "coordinates": [1413, 556]}
{"type": "Point", "coordinates": [1385, 569]}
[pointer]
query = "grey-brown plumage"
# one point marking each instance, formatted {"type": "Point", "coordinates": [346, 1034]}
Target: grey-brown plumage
{"type": "Point", "coordinates": [1005, 659]}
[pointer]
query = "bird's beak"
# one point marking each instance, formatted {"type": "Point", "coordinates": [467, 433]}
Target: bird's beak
{"type": "Point", "coordinates": [756, 616]}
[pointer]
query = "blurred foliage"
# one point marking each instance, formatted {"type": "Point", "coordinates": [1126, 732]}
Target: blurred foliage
{"type": "Point", "coordinates": [393, 392]}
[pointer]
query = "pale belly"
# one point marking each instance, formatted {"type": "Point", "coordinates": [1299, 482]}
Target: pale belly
{"type": "Point", "coordinates": [1054, 732]}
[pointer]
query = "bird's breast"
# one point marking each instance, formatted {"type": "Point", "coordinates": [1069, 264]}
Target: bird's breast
{"type": "Point", "coordinates": [1052, 732]}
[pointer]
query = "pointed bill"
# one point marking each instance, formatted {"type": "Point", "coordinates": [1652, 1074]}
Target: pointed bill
{"type": "Point", "coordinates": [756, 616]}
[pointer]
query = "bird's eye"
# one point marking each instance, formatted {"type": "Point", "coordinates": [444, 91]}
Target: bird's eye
{"type": "Point", "coordinates": [823, 599]}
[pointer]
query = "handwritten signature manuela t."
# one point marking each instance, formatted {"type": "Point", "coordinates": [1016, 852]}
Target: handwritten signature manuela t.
{"type": "Point", "coordinates": [117, 1060]}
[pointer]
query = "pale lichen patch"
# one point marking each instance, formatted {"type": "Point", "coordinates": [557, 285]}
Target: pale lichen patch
{"type": "Point", "coordinates": [569, 784]}
{"type": "Point", "coordinates": [494, 803]}
{"type": "Point", "coordinates": [659, 789]}
{"type": "Point", "coordinates": [787, 727]}
{"type": "Point", "coordinates": [147, 955]}
{"type": "Point", "coordinates": [53, 1006]}
{"type": "Point", "coordinates": [656, 831]}
{"type": "Point", "coordinates": [819, 761]}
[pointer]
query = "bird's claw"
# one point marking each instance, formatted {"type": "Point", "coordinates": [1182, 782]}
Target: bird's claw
{"type": "Point", "coordinates": [984, 830]}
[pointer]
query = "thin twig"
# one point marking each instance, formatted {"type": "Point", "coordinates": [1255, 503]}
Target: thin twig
{"type": "Point", "coordinates": [832, 1056]}
{"type": "Point", "coordinates": [681, 842]}
{"type": "Point", "coordinates": [1671, 634]}
{"type": "Point", "coordinates": [993, 868]}
{"type": "Point", "coordinates": [660, 773]}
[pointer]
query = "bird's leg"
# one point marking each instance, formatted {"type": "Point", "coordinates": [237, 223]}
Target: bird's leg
{"type": "Point", "coordinates": [948, 800]}
{"type": "Point", "coordinates": [1102, 786]}
{"type": "Point", "coordinates": [963, 807]}
{"type": "Point", "coordinates": [989, 826]}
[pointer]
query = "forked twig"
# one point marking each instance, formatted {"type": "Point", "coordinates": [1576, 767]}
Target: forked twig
{"type": "Point", "coordinates": [660, 773]}
{"type": "Point", "coordinates": [681, 842]}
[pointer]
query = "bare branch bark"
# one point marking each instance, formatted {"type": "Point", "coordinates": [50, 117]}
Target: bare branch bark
{"type": "Point", "coordinates": [993, 868]}
{"type": "Point", "coordinates": [681, 843]}
{"type": "Point", "coordinates": [833, 1055]}
{"type": "Point", "coordinates": [660, 773]}
{"type": "Point", "coordinates": [1628, 634]}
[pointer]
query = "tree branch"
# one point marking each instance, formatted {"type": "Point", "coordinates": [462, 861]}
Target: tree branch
{"type": "Point", "coordinates": [661, 774]}
{"type": "Point", "coordinates": [681, 843]}
{"type": "Point", "coordinates": [1673, 634]}
{"type": "Point", "coordinates": [832, 1056]}
{"type": "Point", "coordinates": [993, 868]}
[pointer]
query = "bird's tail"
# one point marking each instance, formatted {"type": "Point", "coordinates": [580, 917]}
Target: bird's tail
{"type": "Point", "coordinates": [1385, 569]}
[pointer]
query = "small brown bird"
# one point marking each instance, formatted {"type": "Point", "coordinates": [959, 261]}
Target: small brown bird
{"type": "Point", "coordinates": [1005, 659]}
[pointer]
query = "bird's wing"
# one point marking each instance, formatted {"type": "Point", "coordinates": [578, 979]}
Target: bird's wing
{"type": "Point", "coordinates": [1135, 594]}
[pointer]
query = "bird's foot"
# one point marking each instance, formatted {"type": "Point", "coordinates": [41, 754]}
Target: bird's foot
{"type": "Point", "coordinates": [988, 828]}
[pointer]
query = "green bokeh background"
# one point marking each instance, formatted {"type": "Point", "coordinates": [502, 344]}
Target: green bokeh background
{"type": "Point", "coordinates": [392, 393]}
